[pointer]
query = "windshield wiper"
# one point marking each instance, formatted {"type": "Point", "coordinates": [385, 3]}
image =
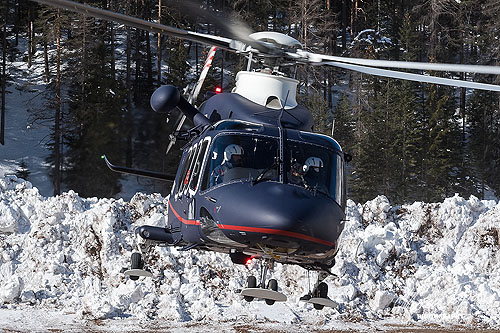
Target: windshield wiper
{"type": "Point", "coordinates": [261, 177]}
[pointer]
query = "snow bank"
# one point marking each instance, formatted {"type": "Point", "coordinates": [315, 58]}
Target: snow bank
{"type": "Point", "coordinates": [419, 263]}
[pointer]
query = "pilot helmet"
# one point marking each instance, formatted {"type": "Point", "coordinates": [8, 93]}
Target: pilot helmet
{"type": "Point", "coordinates": [232, 149]}
{"type": "Point", "coordinates": [313, 162]}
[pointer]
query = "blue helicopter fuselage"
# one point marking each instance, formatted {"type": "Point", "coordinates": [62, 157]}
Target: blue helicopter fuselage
{"type": "Point", "coordinates": [263, 207]}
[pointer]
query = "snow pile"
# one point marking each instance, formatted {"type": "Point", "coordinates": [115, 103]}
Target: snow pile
{"type": "Point", "coordinates": [432, 262]}
{"type": "Point", "coordinates": [421, 263]}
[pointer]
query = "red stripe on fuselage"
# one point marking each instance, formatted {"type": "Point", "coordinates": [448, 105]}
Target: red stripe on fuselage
{"type": "Point", "coordinates": [277, 232]}
{"type": "Point", "coordinates": [259, 230]}
{"type": "Point", "coordinates": [180, 218]}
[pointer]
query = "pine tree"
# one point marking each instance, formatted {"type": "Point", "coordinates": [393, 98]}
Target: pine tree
{"type": "Point", "coordinates": [177, 66]}
{"type": "Point", "coordinates": [317, 105]}
{"type": "Point", "coordinates": [343, 123]}
{"type": "Point", "coordinates": [444, 143]}
{"type": "Point", "coordinates": [411, 123]}
{"type": "Point", "coordinates": [95, 115]}
{"type": "Point", "coordinates": [22, 170]}
{"type": "Point", "coordinates": [484, 126]}
{"type": "Point", "coordinates": [55, 22]}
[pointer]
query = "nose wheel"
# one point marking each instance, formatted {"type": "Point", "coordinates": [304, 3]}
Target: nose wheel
{"type": "Point", "coordinates": [251, 284]}
{"type": "Point", "coordinates": [272, 285]}
{"type": "Point", "coordinates": [268, 292]}
{"type": "Point", "coordinates": [137, 263]}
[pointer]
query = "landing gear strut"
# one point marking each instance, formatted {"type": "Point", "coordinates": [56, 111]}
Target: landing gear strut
{"type": "Point", "coordinates": [137, 263]}
{"type": "Point", "coordinates": [268, 292]}
{"type": "Point", "coordinates": [319, 296]}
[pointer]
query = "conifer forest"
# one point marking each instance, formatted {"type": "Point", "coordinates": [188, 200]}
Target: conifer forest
{"type": "Point", "coordinates": [410, 141]}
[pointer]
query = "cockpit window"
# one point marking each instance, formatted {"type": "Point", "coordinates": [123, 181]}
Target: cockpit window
{"type": "Point", "coordinates": [197, 166]}
{"type": "Point", "coordinates": [236, 157]}
{"type": "Point", "coordinates": [315, 168]}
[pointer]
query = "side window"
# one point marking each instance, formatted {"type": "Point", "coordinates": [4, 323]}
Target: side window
{"type": "Point", "coordinates": [215, 158]}
{"type": "Point", "coordinates": [197, 166]}
{"type": "Point", "coordinates": [191, 161]}
{"type": "Point", "coordinates": [205, 182]}
{"type": "Point", "coordinates": [185, 171]}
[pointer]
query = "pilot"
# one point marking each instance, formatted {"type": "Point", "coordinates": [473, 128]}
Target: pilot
{"type": "Point", "coordinates": [313, 163]}
{"type": "Point", "coordinates": [312, 173]}
{"type": "Point", "coordinates": [233, 157]}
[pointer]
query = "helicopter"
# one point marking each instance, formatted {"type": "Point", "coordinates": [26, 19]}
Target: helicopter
{"type": "Point", "coordinates": [254, 180]}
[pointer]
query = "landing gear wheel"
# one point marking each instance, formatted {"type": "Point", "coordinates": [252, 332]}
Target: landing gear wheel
{"type": "Point", "coordinates": [273, 285]}
{"type": "Point", "coordinates": [321, 292]}
{"type": "Point", "coordinates": [251, 283]}
{"type": "Point", "coordinates": [135, 263]}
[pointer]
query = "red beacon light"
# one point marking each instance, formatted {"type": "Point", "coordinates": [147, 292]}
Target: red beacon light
{"type": "Point", "coordinates": [218, 90]}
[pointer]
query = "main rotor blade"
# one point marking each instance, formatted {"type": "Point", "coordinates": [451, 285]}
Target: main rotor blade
{"type": "Point", "coordinates": [208, 62]}
{"type": "Point", "coordinates": [407, 64]}
{"type": "Point", "coordinates": [194, 94]}
{"type": "Point", "coordinates": [414, 77]}
{"type": "Point", "coordinates": [229, 25]}
{"type": "Point", "coordinates": [225, 43]}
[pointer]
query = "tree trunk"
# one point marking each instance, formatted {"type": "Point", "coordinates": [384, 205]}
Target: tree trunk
{"type": "Point", "coordinates": [83, 77]}
{"type": "Point", "coordinates": [433, 28]}
{"type": "Point", "coordinates": [16, 25]}
{"type": "Point", "coordinates": [128, 152]}
{"type": "Point", "coordinates": [137, 57]}
{"type": "Point", "coordinates": [113, 59]}
{"type": "Point", "coordinates": [344, 24]}
{"type": "Point", "coordinates": [4, 53]}
{"type": "Point", "coordinates": [325, 78]}
{"type": "Point", "coordinates": [30, 40]}
{"type": "Point", "coordinates": [149, 59]}
{"type": "Point", "coordinates": [57, 130]}
{"type": "Point", "coordinates": [46, 60]}
{"type": "Point", "coordinates": [354, 18]}
{"type": "Point", "coordinates": [462, 109]}
{"type": "Point", "coordinates": [159, 45]}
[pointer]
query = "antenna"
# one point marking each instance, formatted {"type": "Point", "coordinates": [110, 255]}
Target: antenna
{"type": "Point", "coordinates": [282, 131]}
{"type": "Point", "coordinates": [283, 109]}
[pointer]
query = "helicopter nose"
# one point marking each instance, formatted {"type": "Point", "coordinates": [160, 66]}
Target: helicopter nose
{"type": "Point", "coordinates": [268, 210]}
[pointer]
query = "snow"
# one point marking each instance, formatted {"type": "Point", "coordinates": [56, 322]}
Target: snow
{"type": "Point", "coordinates": [413, 265]}
{"type": "Point", "coordinates": [61, 257]}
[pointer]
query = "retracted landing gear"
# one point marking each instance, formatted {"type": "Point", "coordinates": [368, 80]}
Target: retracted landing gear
{"type": "Point", "coordinates": [268, 292]}
{"type": "Point", "coordinates": [319, 296]}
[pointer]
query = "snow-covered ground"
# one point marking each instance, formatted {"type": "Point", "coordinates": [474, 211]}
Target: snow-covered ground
{"type": "Point", "coordinates": [414, 265]}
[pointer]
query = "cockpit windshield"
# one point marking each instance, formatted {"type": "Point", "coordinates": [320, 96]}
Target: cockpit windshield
{"type": "Point", "coordinates": [256, 158]}
{"type": "Point", "coordinates": [237, 157]}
